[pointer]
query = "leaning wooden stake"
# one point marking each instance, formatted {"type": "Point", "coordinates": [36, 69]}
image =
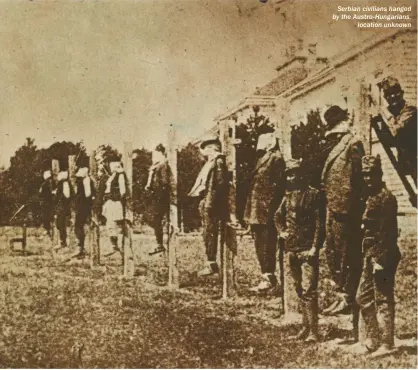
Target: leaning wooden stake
{"type": "Point", "coordinates": [128, 256]}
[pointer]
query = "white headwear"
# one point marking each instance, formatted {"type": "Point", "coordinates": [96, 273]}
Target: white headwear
{"type": "Point", "coordinates": [266, 141]}
{"type": "Point", "coordinates": [82, 172]}
{"type": "Point", "coordinates": [47, 174]}
{"type": "Point", "coordinates": [62, 175]}
{"type": "Point", "coordinates": [158, 157]}
{"type": "Point", "coordinates": [115, 167]}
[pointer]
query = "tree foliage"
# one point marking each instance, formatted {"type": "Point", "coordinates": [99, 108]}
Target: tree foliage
{"type": "Point", "coordinates": [246, 153]}
{"type": "Point", "coordinates": [309, 144]}
{"type": "Point", "coordinates": [20, 183]}
{"type": "Point", "coordinates": [189, 164]}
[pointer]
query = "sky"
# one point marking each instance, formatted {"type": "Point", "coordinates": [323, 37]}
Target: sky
{"type": "Point", "coordinates": [106, 72]}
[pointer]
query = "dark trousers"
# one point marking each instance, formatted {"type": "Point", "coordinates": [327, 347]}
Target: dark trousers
{"type": "Point", "coordinates": [375, 297]}
{"type": "Point", "coordinates": [62, 222]}
{"type": "Point", "coordinates": [157, 224]}
{"type": "Point", "coordinates": [211, 229]}
{"type": "Point", "coordinates": [343, 251]}
{"type": "Point", "coordinates": [265, 241]}
{"type": "Point", "coordinates": [47, 216]}
{"type": "Point", "coordinates": [82, 216]}
{"type": "Point", "coordinates": [305, 273]}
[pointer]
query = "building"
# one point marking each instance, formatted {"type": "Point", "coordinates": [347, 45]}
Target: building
{"type": "Point", "coordinates": [350, 80]}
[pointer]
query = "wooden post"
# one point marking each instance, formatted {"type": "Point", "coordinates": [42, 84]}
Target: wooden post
{"type": "Point", "coordinates": [72, 178]}
{"type": "Point", "coordinates": [24, 237]}
{"type": "Point", "coordinates": [228, 233]}
{"type": "Point", "coordinates": [94, 234]}
{"type": "Point", "coordinates": [55, 166]}
{"type": "Point", "coordinates": [229, 251]}
{"type": "Point", "coordinates": [71, 170]}
{"type": "Point", "coordinates": [173, 273]}
{"type": "Point", "coordinates": [128, 257]}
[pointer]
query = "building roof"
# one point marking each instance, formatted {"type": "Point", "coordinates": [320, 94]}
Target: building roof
{"type": "Point", "coordinates": [319, 77]}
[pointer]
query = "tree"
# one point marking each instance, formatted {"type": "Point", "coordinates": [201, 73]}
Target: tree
{"type": "Point", "coordinates": [189, 164]}
{"type": "Point", "coordinates": [308, 144]}
{"type": "Point", "coordinates": [246, 153]}
{"type": "Point", "coordinates": [141, 164]}
{"type": "Point", "coordinates": [20, 183]}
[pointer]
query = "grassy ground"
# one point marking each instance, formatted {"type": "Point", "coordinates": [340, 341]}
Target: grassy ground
{"type": "Point", "coordinates": [49, 306]}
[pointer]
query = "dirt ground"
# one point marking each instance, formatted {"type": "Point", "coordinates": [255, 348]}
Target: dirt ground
{"type": "Point", "coordinates": [57, 312]}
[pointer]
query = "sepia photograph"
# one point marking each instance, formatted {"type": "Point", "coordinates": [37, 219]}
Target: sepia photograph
{"type": "Point", "coordinates": [208, 184]}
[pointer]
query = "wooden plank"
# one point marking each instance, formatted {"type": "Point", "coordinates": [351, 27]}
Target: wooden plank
{"type": "Point", "coordinates": [127, 162]}
{"type": "Point", "coordinates": [229, 252]}
{"type": "Point", "coordinates": [72, 178]}
{"type": "Point", "coordinates": [173, 272]}
{"type": "Point", "coordinates": [128, 256]}
{"type": "Point", "coordinates": [94, 232]}
{"type": "Point", "coordinates": [55, 166]}
{"type": "Point", "coordinates": [228, 241]}
{"type": "Point", "coordinates": [127, 249]}
{"type": "Point", "coordinates": [71, 170]}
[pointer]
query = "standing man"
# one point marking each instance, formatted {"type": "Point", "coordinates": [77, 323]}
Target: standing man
{"type": "Point", "coordinates": [63, 206]}
{"type": "Point", "coordinates": [212, 186]}
{"type": "Point", "coordinates": [381, 257]}
{"type": "Point", "coordinates": [161, 186]}
{"type": "Point", "coordinates": [343, 185]}
{"type": "Point", "coordinates": [47, 202]}
{"type": "Point", "coordinates": [403, 125]}
{"type": "Point", "coordinates": [115, 204]}
{"type": "Point", "coordinates": [85, 194]}
{"type": "Point", "coordinates": [300, 223]}
{"type": "Point", "coordinates": [266, 191]}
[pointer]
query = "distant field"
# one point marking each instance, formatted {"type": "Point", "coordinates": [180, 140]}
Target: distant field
{"type": "Point", "coordinates": [50, 303]}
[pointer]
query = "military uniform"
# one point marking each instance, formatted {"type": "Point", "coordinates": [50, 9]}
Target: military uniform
{"type": "Point", "coordinates": [403, 124]}
{"type": "Point", "coordinates": [343, 185]}
{"type": "Point", "coordinates": [405, 127]}
{"type": "Point", "coordinates": [300, 215]}
{"type": "Point", "coordinates": [381, 256]}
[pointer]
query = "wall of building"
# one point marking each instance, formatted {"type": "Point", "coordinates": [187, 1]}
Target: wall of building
{"type": "Point", "coordinates": [348, 85]}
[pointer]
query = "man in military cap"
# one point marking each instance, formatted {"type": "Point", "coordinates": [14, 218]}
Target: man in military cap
{"type": "Point", "coordinates": [342, 183]}
{"type": "Point", "coordinates": [162, 189]}
{"type": "Point", "coordinates": [380, 260]}
{"type": "Point", "coordinates": [64, 194]}
{"type": "Point", "coordinates": [85, 194]}
{"type": "Point", "coordinates": [266, 191]}
{"type": "Point", "coordinates": [213, 187]}
{"type": "Point", "coordinates": [301, 223]}
{"type": "Point", "coordinates": [403, 124]}
{"type": "Point", "coordinates": [47, 202]}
